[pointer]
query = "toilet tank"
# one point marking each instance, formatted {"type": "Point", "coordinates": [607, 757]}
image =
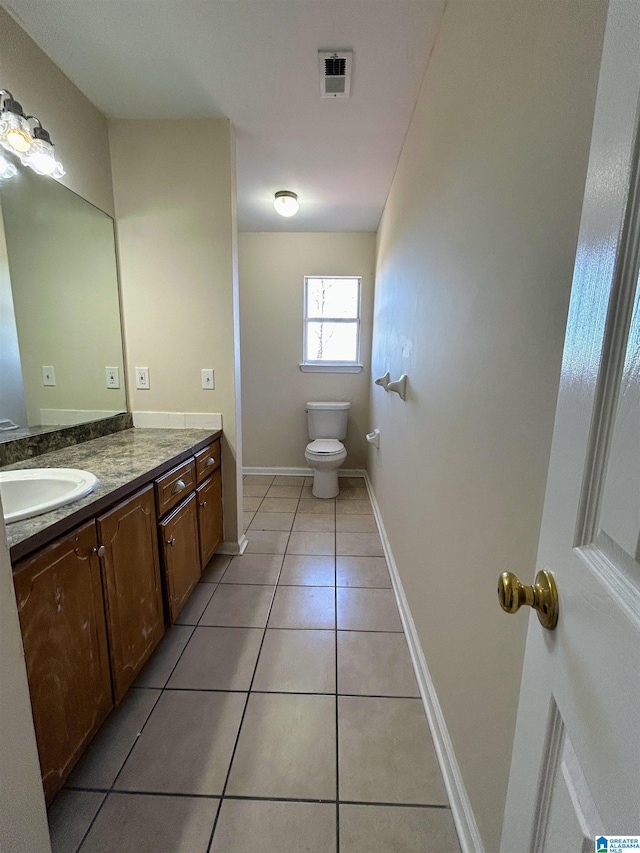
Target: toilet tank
{"type": "Point", "coordinates": [327, 420]}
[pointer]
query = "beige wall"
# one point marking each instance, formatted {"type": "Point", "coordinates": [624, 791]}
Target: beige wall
{"type": "Point", "coordinates": [274, 390]}
{"type": "Point", "coordinates": [175, 208]}
{"type": "Point", "coordinates": [77, 128]}
{"type": "Point", "coordinates": [79, 132]}
{"type": "Point", "coordinates": [475, 256]}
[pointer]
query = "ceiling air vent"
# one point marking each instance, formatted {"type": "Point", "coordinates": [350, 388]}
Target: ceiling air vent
{"type": "Point", "coordinates": [335, 73]}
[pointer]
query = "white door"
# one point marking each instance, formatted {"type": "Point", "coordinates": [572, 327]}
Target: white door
{"type": "Point", "coordinates": [575, 771]}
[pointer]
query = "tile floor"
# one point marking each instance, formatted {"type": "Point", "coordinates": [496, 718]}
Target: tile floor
{"type": "Point", "coordinates": [280, 714]}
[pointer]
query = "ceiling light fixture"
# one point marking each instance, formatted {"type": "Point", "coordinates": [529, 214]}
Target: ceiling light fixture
{"type": "Point", "coordinates": [32, 145]}
{"type": "Point", "coordinates": [286, 203]}
{"type": "Point", "coordinates": [7, 169]}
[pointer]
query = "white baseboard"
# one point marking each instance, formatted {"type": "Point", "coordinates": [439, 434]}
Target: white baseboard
{"type": "Point", "coordinates": [300, 472]}
{"type": "Point", "coordinates": [466, 826]}
{"type": "Point", "coordinates": [235, 549]}
{"type": "Point", "coordinates": [177, 420]}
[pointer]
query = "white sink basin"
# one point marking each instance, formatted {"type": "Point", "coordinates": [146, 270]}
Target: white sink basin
{"type": "Point", "coordinates": [33, 491]}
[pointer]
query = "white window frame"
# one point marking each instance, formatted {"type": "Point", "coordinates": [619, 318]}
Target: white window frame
{"type": "Point", "coordinates": [325, 366]}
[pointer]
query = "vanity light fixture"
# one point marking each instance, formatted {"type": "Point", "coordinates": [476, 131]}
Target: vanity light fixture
{"type": "Point", "coordinates": [31, 144]}
{"type": "Point", "coordinates": [286, 203]}
{"type": "Point", "coordinates": [7, 170]}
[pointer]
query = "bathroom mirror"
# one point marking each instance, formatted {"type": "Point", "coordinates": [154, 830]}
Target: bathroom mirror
{"type": "Point", "coordinates": [61, 354]}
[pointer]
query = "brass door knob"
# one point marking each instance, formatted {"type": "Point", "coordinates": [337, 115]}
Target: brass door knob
{"type": "Point", "coordinates": [542, 596]}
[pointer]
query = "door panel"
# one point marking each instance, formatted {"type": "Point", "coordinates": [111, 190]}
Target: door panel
{"type": "Point", "coordinates": [575, 770]}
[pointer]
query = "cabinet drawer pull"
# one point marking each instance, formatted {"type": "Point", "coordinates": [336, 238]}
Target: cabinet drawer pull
{"type": "Point", "coordinates": [210, 461]}
{"type": "Point", "coordinates": [179, 486]}
{"type": "Point", "coordinates": [101, 551]}
{"type": "Point", "coordinates": [171, 541]}
{"type": "Point", "coordinates": [203, 503]}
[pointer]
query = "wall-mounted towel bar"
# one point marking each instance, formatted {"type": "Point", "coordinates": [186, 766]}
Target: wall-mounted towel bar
{"type": "Point", "coordinates": [399, 386]}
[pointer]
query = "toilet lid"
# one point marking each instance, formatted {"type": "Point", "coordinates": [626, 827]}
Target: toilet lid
{"type": "Point", "coordinates": [326, 446]}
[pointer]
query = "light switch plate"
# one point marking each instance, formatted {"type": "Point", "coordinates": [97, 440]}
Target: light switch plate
{"type": "Point", "coordinates": [208, 380]}
{"type": "Point", "coordinates": [142, 378]}
{"type": "Point", "coordinates": [113, 377]}
{"type": "Point", "coordinates": [48, 375]}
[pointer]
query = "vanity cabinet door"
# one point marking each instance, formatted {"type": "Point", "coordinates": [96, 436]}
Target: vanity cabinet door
{"type": "Point", "coordinates": [132, 586]}
{"type": "Point", "coordinates": [59, 596]}
{"type": "Point", "coordinates": [180, 555]}
{"type": "Point", "coordinates": [210, 516]}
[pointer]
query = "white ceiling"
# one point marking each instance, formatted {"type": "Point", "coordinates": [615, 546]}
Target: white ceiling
{"type": "Point", "coordinates": [255, 62]}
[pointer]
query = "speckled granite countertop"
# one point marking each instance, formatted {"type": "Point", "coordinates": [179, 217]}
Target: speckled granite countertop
{"type": "Point", "coordinates": [122, 461]}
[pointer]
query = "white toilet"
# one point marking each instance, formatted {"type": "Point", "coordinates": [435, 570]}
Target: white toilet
{"type": "Point", "coordinates": [325, 453]}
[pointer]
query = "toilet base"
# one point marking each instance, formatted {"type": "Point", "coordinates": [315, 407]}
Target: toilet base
{"type": "Point", "coordinates": [325, 483]}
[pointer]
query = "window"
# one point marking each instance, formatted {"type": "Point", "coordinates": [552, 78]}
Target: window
{"type": "Point", "coordinates": [331, 324]}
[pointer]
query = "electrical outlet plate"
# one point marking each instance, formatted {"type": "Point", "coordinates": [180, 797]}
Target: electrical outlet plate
{"type": "Point", "coordinates": [113, 377]}
{"type": "Point", "coordinates": [48, 375]}
{"type": "Point", "coordinates": [142, 378]}
{"type": "Point", "coordinates": [208, 380]}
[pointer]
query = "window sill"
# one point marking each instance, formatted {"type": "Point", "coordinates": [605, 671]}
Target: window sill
{"type": "Point", "coordinates": [331, 368]}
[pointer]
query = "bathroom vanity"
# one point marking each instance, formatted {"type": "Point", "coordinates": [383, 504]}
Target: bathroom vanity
{"type": "Point", "coordinates": [97, 581]}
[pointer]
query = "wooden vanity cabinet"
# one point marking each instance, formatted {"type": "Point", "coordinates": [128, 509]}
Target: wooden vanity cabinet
{"type": "Point", "coordinates": [180, 555]}
{"type": "Point", "coordinates": [132, 587]}
{"type": "Point", "coordinates": [60, 605]}
{"type": "Point", "coordinates": [209, 496]}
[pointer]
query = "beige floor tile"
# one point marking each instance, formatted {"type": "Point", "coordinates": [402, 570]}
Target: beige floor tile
{"type": "Point", "coordinates": [314, 522]}
{"type": "Point", "coordinates": [215, 568]}
{"type": "Point", "coordinates": [356, 482]}
{"type": "Point", "coordinates": [239, 605]}
{"type": "Point", "coordinates": [356, 524]}
{"type": "Point", "coordinates": [368, 610]}
{"type": "Point", "coordinates": [254, 568]}
{"type": "Point", "coordinates": [375, 664]}
{"type": "Point", "coordinates": [70, 817]}
{"type": "Point", "coordinates": [308, 570]}
{"type": "Point", "coordinates": [196, 604]}
{"type": "Point", "coordinates": [256, 826]}
{"type": "Point", "coordinates": [135, 823]}
{"type": "Point", "coordinates": [297, 662]}
{"type": "Point", "coordinates": [285, 480]}
{"type": "Point", "coordinates": [303, 607]}
{"type": "Point", "coordinates": [282, 738]}
{"type": "Point", "coordinates": [272, 521]}
{"type": "Point", "coordinates": [386, 752]}
{"type": "Point", "coordinates": [312, 543]}
{"type": "Point", "coordinates": [308, 505]}
{"type": "Point", "coordinates": [362, 571]}
{"type": "Point", "coordinates": [253, 490]}
{"type": "Point", "coordinates": [279, 505]}
{"type": "Point", "coordinates": [354, 508]}
{"type": "Point", "coordinates": [394, 829]}
{"type": "Point", "coordinates": [353, 493]}
{"type": "Point", "coordinates": [258, 479]}
{"type": "Point", "coordinates": [278, 491]}
{"type": "Point", "coordinates": [267, 542]}
{"type": "Point", "coordinates": [218, 659]}
{"type": "Point", "coordinates": [359, 544]}
{"type": "Point", "coordinates": [251, 504]}
{"type": "Point", "coordinates": [247, 518]}
{"type": "Point", "coordinates": [186, 746]}
{"type": "Point", "coordinates": [102, 761]}
{"type": "Point", "coordinates": [156, 671]}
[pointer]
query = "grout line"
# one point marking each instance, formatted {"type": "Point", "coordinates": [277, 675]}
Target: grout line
{"type": "Point", "coordinates": [244, 710]}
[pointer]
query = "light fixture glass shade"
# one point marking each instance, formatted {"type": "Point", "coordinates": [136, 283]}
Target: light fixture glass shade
{"type": "Point", "coordinates": [15, 133]}
{"type": "Point", "coordinates": [286, 203]}
{"type": "Point", "coordinates": [42, 159]}
{"type": "Point", "coordinates": [7, 169]}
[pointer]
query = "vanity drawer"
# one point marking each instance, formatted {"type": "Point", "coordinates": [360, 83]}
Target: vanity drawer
{"type": "Point", "coordinates": [207, 461]}
{"type": "Point", "coordinates": [175, 485]}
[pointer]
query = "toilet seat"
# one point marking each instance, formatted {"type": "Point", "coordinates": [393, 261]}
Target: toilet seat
{"type": "Point", "coordinates": [326, 446]}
